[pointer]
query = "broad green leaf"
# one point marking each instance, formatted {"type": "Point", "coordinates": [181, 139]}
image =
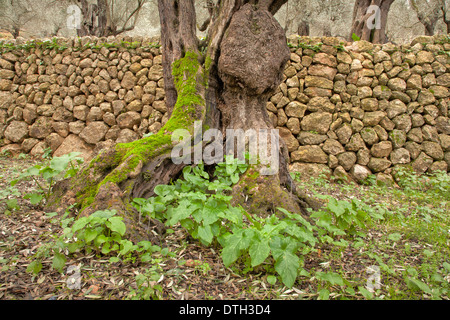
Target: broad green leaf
{"type": "Point", "coordinates": [106, 248]}
{"type": "Point", "coordinates": [146, 257]}
{"type": "Point", "coordinates": [447, 266]}
{"type": "Point", "coordinates": [12, 204]}
{"type": "Point", "coordinates": [101, 239]}
{"type": "Point", "coordinates": [34, 267]}
{"type": "Point", "coordinates": [48, 173]}
{"type": "Point", "coordinates": [35, 198]}
{"type": "Point", "coordinates": [324, 294]}
{"type": "Point", "coordinates": [395, 236]}
{"type": "Point", "coordinates": [331, 277]}
{"type": "Point", "coordinates": [103, 214]}
{"type": "Point", "coordinates": [59, 164]}
{"type": "Point", "coordinates": [59, 261]}
{"type": "Point", "coordinates": [116, 225]}
{"type": "Point", "coordinates": [146, 245]}
{"type": "Point", "coordinates": [72, 247]}
{"type": "Point", "coordinates": [366, 293]}
{"type": "Point", "coordinates": [163, 190]}
{"type": "Point", "coordinates": [259, 251]}
{"type": "Point", "coordinates": [79, 224]}
{"type": "Point", "coordinates": [271, 279]}
{"type": "Point", "coordinates": [90, 234]}
{"type": "Point", "coordinates": [127, 246]}
{"type": "Point", "coordinates": [188, 224]}
{"type": "Point", "coordinates": [417, 284]}
{"type": "Point", "coordinates": [287, 265]}
{"type": "Point", "coordinates": [231, 250]}
{"type": "Point", "coordinates": [114, 259]}
{"type": "Point", "coordinates": [205, 233]}
{"type": "Point", "coordinates": [355, 37]}
{"type": "Point", "coordinates": [337, 207]}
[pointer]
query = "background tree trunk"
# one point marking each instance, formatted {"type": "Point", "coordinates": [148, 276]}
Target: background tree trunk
{"type": "Point", "coordinates": [429, 16]}
{"type": "Point", "coordinates": [361, 17]}
{"type": "Point", "coordinates": [303, 28]}
{"type": "Point", "coordinates": [98, 20]}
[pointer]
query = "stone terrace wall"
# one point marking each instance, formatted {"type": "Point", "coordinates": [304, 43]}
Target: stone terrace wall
{"type": "Point", "coordinates": [351, 109]}
{"type": "Point", "coordinates": [362, 109]}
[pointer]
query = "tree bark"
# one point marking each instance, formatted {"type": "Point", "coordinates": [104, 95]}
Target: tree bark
{"type": "Point", "coordinates": [363, 18]}
{"type": "Point", "coordinates": [228, 88]}
{"type": "Point", "coordinates": [303, 28]}
{"type": "Point", "coordinates": [97, 20]}
{"type": "Point", "coordinates": [428, 19]}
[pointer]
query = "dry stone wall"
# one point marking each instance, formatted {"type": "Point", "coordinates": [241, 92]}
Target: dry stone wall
{"type": "Point", "coordinates": [347, 109]}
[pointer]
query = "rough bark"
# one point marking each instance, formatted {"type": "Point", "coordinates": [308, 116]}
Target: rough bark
{"type": "Point", "coordinates": [361, 16]}
{"type": "Point", "coordinates": [178, 30]}
{"type": "Point", "coordinates": [97, 20]}
{"type": "Point", "coordinates": [227, 88]}
{"type": "Point", "coordinates": [428, 18]}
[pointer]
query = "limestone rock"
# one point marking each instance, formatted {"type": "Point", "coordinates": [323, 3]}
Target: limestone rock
{"type": "Point", "coordinates": [308, 138]}
{"type": "Point", "coordinates": [400, 156]}
{"type": "Point", "coordinates": [433, 149]}
{"type": "Point", "coordinates": [94, 132]}
{"type": "Point", "coordinates": [127, 135]}
{"type": "Point", "coordinates": [381, 149]}
{"type": "Point", "coordinates": [360, 173]}
{"type": "Point", "coordinates": [378, 165]}
{"type": "Point", "coordinates": [319, 122]}
{"type": "Point", "coordinates": [310, 169]}
{"type": "Point", "coordinates": [73, 143]}
{"type": "Point", "coordinates": [422, 163]}
{"type": "Point", "coordinates": [309, 154]}
{"type": "Point", "coordinates": [333, 147]}
{"type": "Point", "coordinates": [128, 120]}
{"type": "Point", "coordinates": [17, 131]}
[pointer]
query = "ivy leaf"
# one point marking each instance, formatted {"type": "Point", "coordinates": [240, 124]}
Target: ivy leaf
{"type": "Point", "coordinates": [259, 251]}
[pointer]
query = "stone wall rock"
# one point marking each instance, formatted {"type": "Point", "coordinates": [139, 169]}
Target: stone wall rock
{"type": "Point", "coordinates": [355, 109]}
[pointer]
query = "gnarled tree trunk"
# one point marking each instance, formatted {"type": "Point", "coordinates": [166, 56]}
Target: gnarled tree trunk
{"type": "Point", "coordinates": [226, 88]}
{"type": "Point", "coordinates": [370, 19]}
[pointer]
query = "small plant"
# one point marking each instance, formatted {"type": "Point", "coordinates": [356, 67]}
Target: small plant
{"type": "Point", "coordinates": [147, 285]}
{"type": "Point", "coordinates": [102, 232]}
{"type": "Point", "coordinates": [10, 203]}
{"type": "Point", "coordinates": [355, 37]}
{"type": "Point", "coordinates": [64, 166]}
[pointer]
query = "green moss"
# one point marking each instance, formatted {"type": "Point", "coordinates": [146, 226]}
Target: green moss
{"type": "Point", "coordinates": [190, 106]}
